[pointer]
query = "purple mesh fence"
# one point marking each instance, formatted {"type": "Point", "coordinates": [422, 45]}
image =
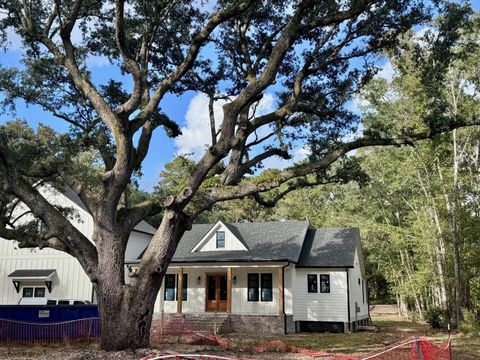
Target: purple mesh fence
{"type": "Point", "coordinates": [12, 331]}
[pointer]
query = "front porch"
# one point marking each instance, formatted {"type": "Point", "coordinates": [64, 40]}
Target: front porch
{"type": "Point", "coordinates": [230, 289]}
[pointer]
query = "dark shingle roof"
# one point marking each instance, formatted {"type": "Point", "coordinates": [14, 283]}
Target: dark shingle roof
{"type": "Point", "coordinates": [265, 241]}
{"type": "Point", "coordinates": [291, 241]}
{"type": "Point", "coordinates": [329, 247]}
{"type": "Point", "coordinates": [32, 273]}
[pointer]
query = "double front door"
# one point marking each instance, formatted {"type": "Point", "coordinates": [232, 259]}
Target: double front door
{"type": "Point", "coordinates": [216, 292]}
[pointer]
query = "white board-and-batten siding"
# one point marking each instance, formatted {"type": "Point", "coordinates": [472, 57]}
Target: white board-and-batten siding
{"type": "Point", "coordinates": [209, 241]}
{"type": "Point", "coordinates": [69, 282]}
{"type": "Point", "coordinates": [196, 298]}
{"type": "Point", "coordinates": [320, 306]}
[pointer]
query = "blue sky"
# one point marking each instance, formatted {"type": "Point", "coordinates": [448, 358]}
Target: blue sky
{"type": "Point", "coordinates": [188, 110]}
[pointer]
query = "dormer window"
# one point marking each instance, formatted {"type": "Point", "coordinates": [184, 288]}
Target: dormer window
{"type": "Point", "coordinates": [220, 239]}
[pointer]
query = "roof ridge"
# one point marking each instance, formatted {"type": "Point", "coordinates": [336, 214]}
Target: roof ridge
{"type": "Point", "coordinates": [338, 227]}
{"type": "Point", "coordinates": [255, 222]}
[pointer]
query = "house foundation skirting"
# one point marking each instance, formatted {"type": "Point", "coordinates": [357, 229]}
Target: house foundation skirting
{"type": "Point", "coordinates": [330, 326]}
{"type": "Point", "coordinates": [221, 323]}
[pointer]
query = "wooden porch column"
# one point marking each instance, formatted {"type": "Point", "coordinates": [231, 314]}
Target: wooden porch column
{"type": "Point", "coordinates": [229, 290]}
{"type": "Point", "coordinates": [180, 291]}
{"type": "Point", "coordinates": [280, 290]}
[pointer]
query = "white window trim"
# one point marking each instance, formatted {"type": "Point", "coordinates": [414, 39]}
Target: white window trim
{"type": "Point", "coordinates": [33, 287]}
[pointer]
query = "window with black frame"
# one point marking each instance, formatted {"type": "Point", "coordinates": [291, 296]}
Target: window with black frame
{"type": "Point", "coordinates": [27, 292]}
{"type": "Point", "coordinates": [185, 287]}
{"type": "Point", "coordinates": [170, 289]}
{"type": "Point", "coordinates": [171, 281]}
{"type": "Point", "coordinates": [253, 287]}
{"type": "Point", "coordinates": [37, 292]}
{"type": "Point", "coordinates": [324, 283]}
{"type": "Point", "coordinates": [267, 291]}
{"type": "Point", "coordinates": [312, 283]}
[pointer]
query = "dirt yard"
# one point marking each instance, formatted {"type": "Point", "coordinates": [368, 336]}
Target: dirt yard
{"type": "Point", "coordinates": [391, 330]}
{"type": "Point", "coordinates": [92, 353]}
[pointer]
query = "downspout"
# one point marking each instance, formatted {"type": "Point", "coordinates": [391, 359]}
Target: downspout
{"type": "Point", "coordinates": [348, 297]}
{"type": "Point", "coordinates": [93, 294]}
{"type": "Point", "coordinates": [283, 296]}
{"type": "Point", "coordinates": [367, 290]}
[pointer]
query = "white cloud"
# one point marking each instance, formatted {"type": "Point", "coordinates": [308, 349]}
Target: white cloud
{"type": "Point", "coordinates": [14, 40]}
{"type": "Point", "coordinates": [469, 89]}
{"type": "Point", "coordinates": [196, 136]}
{"type": "Point", "coordinates": [266, 104]}
{"type": "Point", "coordinates": [196, 132]}
{"type": "Point", "coordinates": [425, 36]}
{"type": "Point", "coordinates": [358, 103]}
{"type": "Point", "coordinates": [386, 72]}
{"type": "Point", "coordinates": [276, 162]}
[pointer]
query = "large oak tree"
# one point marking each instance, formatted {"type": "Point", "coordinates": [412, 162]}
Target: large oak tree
{"type": "Point", "coordinates": [313, 54]}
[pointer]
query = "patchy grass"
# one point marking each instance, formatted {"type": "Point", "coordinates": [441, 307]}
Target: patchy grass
{"type": "Point", "coordinates": [466, 348]}
{"type": "Point", "coordinates": [392, 329]}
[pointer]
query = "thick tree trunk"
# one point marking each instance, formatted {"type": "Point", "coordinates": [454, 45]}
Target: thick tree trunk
{"type": "Point", "coordinates": [126, 304]}
{"type": "Point", "coordinates": [125, 310]}
{"type": "Point", "coordinates": [125, 317]}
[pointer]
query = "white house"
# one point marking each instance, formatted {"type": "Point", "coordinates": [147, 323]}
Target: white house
{"type": "Point", "coordinates": [271, 276]}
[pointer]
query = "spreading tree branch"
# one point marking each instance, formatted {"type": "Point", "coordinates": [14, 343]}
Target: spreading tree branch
{"type": "Point", "coordinates": [218, 194]}
{"type": "Point", "coordinates": [198, 41]}
{"type": "Point", "coordinates": [130, 63]}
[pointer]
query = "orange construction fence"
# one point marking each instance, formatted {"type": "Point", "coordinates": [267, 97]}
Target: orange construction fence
{"type": "Point", "coordinates": [410, 349]}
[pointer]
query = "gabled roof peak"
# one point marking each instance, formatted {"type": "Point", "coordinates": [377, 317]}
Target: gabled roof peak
{"type": "Point", "coordinates": [233, 240]}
